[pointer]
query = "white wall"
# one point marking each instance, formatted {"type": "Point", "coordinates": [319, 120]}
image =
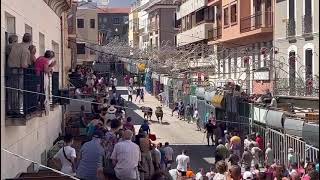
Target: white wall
{"type": "Point", "coordinates": [40, 132]}
{"type": "Point", "coordinates": [190, 6]}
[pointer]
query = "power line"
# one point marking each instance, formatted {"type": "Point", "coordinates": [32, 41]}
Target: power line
{"type": "Point", "coordinates": [85, 101]}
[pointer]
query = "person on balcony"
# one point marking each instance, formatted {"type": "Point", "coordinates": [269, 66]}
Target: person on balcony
{"type": "Point", "coordinates": [44, 64]}
{"type": "Point", "coordinates": [18, 61]}
{"type": "Point", "coordinates": [13, 39]}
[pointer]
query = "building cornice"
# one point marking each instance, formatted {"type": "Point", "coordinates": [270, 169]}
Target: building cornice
{"type": "Point", "coordinates": [59, 6]}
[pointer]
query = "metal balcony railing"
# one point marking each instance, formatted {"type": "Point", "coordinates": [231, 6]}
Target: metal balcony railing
{"type": "Point", "coordinates": [291, 28]}
{"type": "Point", "coordinates": [20, 82]}
{"type": "Point", "coordinates": [25, 91]}
{"type": "Point", "coordinates": [307, 25]}
{"type": "Point", "coordinates": [256, 21]}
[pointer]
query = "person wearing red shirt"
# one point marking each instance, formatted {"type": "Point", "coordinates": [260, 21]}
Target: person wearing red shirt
{"type": "Point", "coordinates": [259, 141]}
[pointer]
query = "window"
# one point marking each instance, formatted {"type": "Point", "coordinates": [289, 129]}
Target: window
{"type": "Point", "coordinates": [10, 24]}
{"type": "Point", "coordinates": [105, 19]}
{"type": "Point", "coordinates": [92, 23]}
{"type": "Point", "coordinates": [308, 7]}
{"type": "Point", "coordinates": [116, 20]}
{"type": "Point", "coordinates": [292, 9]}
{"type": "Point", "coordinates": [233, 10]}
{"type": "Point", "coordinates": [28, 29]}
{"type": "Point", "coordinates": [41, 44]}
{"type": "Point", "coordinates": [308, 63]}
{"type": "Point", "coordinates": [80, 23]}
{"type": "Point", "coordinates": [81, 48]}
{"type": "Point", "coordinates": [226, 16]}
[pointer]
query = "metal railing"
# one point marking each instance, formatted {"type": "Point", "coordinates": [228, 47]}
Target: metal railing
{"type": "Point", "coordinates": [19, 102]}
{"type": "Point", "coordinates": [256, 21]}
{"type": "Point", "coordinates": [291, 28]}
{"type": "Point", "coordinates": [307, 25]}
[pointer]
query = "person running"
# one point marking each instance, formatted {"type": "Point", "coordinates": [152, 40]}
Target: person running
{"type": "Point", "coordinates": [209, 129]}
{"type": "Point", "coordinates": [138, 93]}
{"type": "Point", "coordinates": [130, 92]}
{"type": "Point", "coordinates": [176, 108]}
{"type": "Point", "coordinates": [141, 95]}
{"type": "Point", "coordinates": [197, 118]}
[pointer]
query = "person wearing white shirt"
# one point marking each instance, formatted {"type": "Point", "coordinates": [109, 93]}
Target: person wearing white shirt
{"type": "Point", "coordinates": [130, 92]}
{"type": "Point", "coordinates": [197, 119]}
{"type": "Point", "coordinates": [168, 152]}
{"type": "Point", "coordinates": [211, 174]}
{"type": "Point", "coordinates": [66, 155]}
{"type": "Point", "coordinates": [183, 162]}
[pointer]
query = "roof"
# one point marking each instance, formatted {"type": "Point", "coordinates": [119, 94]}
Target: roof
{"type": "Point", "coordinates": [114, 10]}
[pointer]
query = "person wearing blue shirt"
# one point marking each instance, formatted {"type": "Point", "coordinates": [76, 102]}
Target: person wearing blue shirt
{"type": "Point", "coordinates": [145, 127]}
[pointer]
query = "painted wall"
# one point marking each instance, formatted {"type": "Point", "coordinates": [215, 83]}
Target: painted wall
{"type": "Point", "coordinates": [40, 132]}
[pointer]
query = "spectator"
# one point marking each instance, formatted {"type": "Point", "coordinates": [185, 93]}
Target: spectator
{"type": "Point", "coordinates": [19, 56]}
{"type": "Point", "coordinates": [294, 171]}
{"type": "Point", "coordinates": [212, 172]}
{"type": "Point", "coordinates": [246, 157]}
{"type": "Point", "coordinates": [95, 105]}
{"type": "Point", "coordinates": [145, 127]}
{"type": "Point", "coordinates": [110, 140]}
{"type": "Point", "coordinates": [67, 155]}
{"type": "Point", "coordinates": [233, 158]}
{"type": "Point", "coordinates": [91, 128]}
{"type": "Point", "coordinates": [200, 175]}
{"type": "Point", "coordinates": [291, 157]}
{"type": "Point", "coordinates": [221, 151]}
{"type": "Point", "coordinates": [255, 151]}
{"type": "Point", "coordinates": [146, 159]}
{"type": "Point", "coordinates": [235, 172]}
{"type": "Point", "coordinates": [156, 157]}
{"type": "Point", "coordinates": [161, 175]}
{"type": "Point", "coordinates": [209, 129]}
{"type": "Point", "coordinates": [141, 95]}
{"type": "Point", "coordinates": [247, 142]}
{"type": "Point", "coordinates": [247, 175]}
{"type": "Point", "coordinates": [183, 162]}
{"type": "Point", "coordinates": [33, 51]}
{"type": "Point", "coordinates": [111, 113]}
{"type": "Point", "coordinates": [168, 155]}
{"type": "Point", "coordinates": [221, 167]}
{"type": "Point", "coordinates": [269, 156]}
{"type": "Point", "coordinates": [128, 125]}
{"type": "Point", "coordinates": [256, 171]}
{"type": "Point", "coordinates": [163, 155]}
{"type": "Point", "coordinates": [90, 159]}
{"type": "Point", "coordinates": [126, 156]}
{"type": "Point", "coordinates": [12, 40]}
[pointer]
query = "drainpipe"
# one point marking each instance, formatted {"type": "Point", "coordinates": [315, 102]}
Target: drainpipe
{"type": "Point", "coordinates": [63, 109]}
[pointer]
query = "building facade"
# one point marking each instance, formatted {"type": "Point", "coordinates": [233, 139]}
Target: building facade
{"type": "Point", "coordinates": [113, 24]}
{"type": "Point", "coordinates": [87, 31]}
{"type": "Point", "coordinates": [161, 23]}
{"type": "Point", "coordinates": [296, 37]}
{"type": "Point", "coordinates": [32, 135]}
{"type": "Point", "coordinates": [133, 32]}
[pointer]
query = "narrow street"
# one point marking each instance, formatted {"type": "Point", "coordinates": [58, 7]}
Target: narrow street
{"type": "Point", "coordinates": [178, 133]}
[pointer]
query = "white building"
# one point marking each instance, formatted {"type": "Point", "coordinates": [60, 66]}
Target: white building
{"type": "Point", "coordinates": [31, 137]}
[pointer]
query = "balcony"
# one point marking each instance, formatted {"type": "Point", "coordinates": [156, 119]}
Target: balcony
{"type": "Point", "coordinates": [197, 33]}
{"type": "Point", "coordinates": [190, 6]}
{"type": "Point", "coordinates": [307, 24]}
{"type": "Point", "coordinates": [153, 26]}
{"type": "Point", "coordinates": [215, 33]}
{"type": "Point", "coordinates": [291, 29]}
{"type": "Point", "coordinates": [59, 6]}
{"type": "Point", "coordinates": [256, 21]}
{"type": "Point", "coordinates": [23, 105]}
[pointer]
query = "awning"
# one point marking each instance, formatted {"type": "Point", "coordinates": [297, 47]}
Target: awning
{"type": "Point", "coordinates": [293, 126]}
{"type": "Point", "coordinates": [310, 134]}
{"type": "Point", "coordinates": [275, 118]}
{"type": "Point", "coordinates": [200, 92]}
{"type": "Point", "coordinates": [260, 114]}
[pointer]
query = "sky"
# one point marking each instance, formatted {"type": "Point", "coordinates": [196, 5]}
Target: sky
{"type": "Point", "coordinates": [120, 3]}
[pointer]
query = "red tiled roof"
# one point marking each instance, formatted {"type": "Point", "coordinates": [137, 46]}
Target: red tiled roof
{"type": "Point", "coordinates": [114, 10]}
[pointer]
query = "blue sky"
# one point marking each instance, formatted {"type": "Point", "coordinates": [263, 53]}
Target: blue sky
{"type": "Point", "coordinates": [120, 3]}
